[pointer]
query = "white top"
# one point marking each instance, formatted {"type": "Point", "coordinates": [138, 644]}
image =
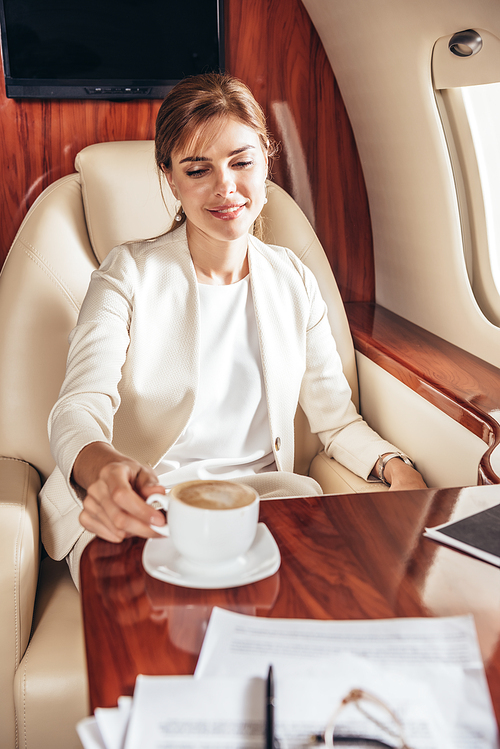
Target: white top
{"type": "Point", "coordinates": [228, 433]}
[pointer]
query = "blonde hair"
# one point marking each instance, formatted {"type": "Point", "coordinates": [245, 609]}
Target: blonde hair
{"type": "Point", "coordinates": [191, 111]}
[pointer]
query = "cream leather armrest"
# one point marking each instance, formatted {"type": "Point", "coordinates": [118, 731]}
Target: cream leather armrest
{"type": "Point", "coordinates": [19, 565]}
{"type": "Point", "coordinates": [334, 478]}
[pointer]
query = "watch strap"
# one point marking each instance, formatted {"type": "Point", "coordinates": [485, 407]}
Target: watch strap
{"type": "Point", "coordinates": [384, 459]}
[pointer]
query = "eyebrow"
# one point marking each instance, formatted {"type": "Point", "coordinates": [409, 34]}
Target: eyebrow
{"type": "Point", "coordinates": [204, 158]}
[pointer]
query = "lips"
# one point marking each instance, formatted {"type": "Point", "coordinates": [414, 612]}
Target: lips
{"type": "Point", "coordinates": [227, 212]}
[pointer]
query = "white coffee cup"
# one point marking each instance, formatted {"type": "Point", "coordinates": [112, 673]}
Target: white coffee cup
{"type": "Point", "coordinates": [211, 522]}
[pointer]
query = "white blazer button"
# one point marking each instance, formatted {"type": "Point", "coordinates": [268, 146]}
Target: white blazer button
{"type": "Point", "coordinates": [277, 443]}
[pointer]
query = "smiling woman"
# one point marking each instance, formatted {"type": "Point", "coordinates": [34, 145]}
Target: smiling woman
{"type": "Point", "coordinates": [192, 118]}
{"type": "Point", "coordinates": [193, 350]}
{"type": "Point", "coordinates": [222, 190]}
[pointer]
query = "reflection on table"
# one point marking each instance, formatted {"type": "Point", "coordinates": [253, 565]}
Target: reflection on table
{"type": "Point", "coordinates": [343, 557]}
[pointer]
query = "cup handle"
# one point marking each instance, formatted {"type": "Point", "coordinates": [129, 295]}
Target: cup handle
{"type": "Point", "coordinates": [159, 502]}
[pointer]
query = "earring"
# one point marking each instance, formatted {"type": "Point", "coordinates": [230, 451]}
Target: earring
{"type": "Point", "coordinates": [265, 193]}
{"type": "Point", "coordinates": [265, 201]}
{"type": "Point", "coordinates": [179, 214]}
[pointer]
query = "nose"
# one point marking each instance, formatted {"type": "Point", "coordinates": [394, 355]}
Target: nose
{"type": "Point", "coordinates": [225, 185]}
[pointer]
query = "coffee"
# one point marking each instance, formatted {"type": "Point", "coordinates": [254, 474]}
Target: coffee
{"type": "Point", "coordinates": [215, 495]}
{"type": "Point", "coordinates": [200, 532]}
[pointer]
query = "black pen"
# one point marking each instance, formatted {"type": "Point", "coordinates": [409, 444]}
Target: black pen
{"type": "Point", "coordinates": [318, 739]}
{"type": "Point", "coordinates": [270, 738]}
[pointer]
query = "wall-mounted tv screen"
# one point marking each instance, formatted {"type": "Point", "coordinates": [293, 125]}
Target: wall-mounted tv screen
{"type": "Point", "coordinates": [107, 49]}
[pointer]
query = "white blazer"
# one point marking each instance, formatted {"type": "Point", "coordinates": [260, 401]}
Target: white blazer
{"type": "Point", "coordinates": [133, 367]}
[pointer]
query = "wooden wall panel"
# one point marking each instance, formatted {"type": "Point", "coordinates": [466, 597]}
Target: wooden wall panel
{"type": "Point", "coordinates": [40, 139]}
{"type": "Point", "coordinates": [273, 46]}
{"type": "Point", "coordinates": [280, 56]}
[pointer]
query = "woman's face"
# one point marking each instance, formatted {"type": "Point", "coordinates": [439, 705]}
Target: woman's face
{"type": "Point", "coordinates": [222, 190]}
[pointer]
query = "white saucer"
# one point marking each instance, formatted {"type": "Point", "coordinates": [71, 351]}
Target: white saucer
{"type": "Point", "coordinates": [262, 560]}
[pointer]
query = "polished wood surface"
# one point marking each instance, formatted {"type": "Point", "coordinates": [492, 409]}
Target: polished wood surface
{"type": "Point", "coordinates": [465, 387]}
{"type": "Point", "coordinates": [343, 557]}
{"type": "Point", "coordinates": [40, 140]}
{"type": "Point", "coordinates": [275, 49]}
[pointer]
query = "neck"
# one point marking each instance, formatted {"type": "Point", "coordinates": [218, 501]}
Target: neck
{"type": "Point", "coordinates": [218, 263]}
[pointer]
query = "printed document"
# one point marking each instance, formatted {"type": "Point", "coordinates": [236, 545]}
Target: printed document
{"type": "Point", "coordinates": [228, 712]}
{"type": "Point", "coordinates": [428, 671]}
{"type": "Point", "coordinates": [442, 653]}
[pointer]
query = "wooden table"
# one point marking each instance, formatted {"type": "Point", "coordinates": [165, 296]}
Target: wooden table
{"type": "Point", "coordinates": [343, 557]}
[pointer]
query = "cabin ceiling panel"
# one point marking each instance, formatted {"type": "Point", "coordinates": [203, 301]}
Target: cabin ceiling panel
{"type": "Point", "coordinates": [381, 54]}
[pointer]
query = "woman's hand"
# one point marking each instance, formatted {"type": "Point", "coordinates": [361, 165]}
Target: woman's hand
{"type": "Point", "coordinates": [402, 476]}
{"type": "Point", "coordinates": [116, 488]}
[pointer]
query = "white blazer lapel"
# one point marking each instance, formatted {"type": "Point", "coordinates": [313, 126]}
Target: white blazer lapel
{"type": "Point", "coordinates": [162, 367]}
{"type": "Point", "coordinates": [281, 329]}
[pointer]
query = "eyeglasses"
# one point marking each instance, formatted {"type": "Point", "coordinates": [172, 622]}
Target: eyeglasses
{"type": "Point", "coordinates": [373, 709]}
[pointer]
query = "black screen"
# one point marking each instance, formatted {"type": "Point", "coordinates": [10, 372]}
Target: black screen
{"type": "Point", "coordinates": [117, 45]}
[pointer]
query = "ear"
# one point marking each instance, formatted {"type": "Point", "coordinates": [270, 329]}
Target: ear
{"type": "Point", "coordinates": [170, 180]}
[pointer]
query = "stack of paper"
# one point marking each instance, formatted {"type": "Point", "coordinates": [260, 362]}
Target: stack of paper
{"type": "Point", "coordinates": [429, 671]}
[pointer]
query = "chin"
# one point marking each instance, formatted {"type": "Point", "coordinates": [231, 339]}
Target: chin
{"type": "Point", "coordinates": [231, 230]}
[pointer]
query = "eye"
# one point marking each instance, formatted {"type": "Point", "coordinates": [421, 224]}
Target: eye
{"type": "Point", "coordinates": [243, 164]}
{"type": "Point", "coordinates": [196, 172]}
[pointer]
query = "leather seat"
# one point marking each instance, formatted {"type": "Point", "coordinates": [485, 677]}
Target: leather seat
{"type": "Point", "coordinates": [113, 197]}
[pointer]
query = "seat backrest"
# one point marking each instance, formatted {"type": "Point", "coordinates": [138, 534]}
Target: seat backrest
{"type": "Point", "coordinates": [114, 197]}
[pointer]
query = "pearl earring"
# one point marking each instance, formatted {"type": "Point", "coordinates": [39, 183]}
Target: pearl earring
{"type": "Point", "coordinates": [178, 215]}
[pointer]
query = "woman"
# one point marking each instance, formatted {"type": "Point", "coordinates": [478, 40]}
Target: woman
{"type": "Point", "coordinates": [193, 350]}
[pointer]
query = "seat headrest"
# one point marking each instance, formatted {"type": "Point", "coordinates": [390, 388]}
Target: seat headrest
{"type": "Point", "coordinates": [121, 194]}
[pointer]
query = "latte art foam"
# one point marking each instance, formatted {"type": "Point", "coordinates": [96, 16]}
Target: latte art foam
{"type": "Point", "coordinates": [214, 495]}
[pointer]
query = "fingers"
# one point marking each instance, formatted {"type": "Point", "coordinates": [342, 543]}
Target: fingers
{"type": "Point", "coordinates": [114, 507]}
{"type": "Point", "coordinates": [146, 483]}
{"type": "Point", "coordinates": [91, 522]}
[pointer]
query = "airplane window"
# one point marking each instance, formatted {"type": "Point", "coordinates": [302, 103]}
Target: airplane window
{"type": "Point", "coordinates": [467, 91]}
{"type": "Point", "coordinates": [482, 106]}
{"type": "Point", "coordinates": [471, 121]}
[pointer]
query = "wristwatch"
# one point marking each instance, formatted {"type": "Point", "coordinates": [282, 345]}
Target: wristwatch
{"type": "Point", "coordinates": [384, 459]}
